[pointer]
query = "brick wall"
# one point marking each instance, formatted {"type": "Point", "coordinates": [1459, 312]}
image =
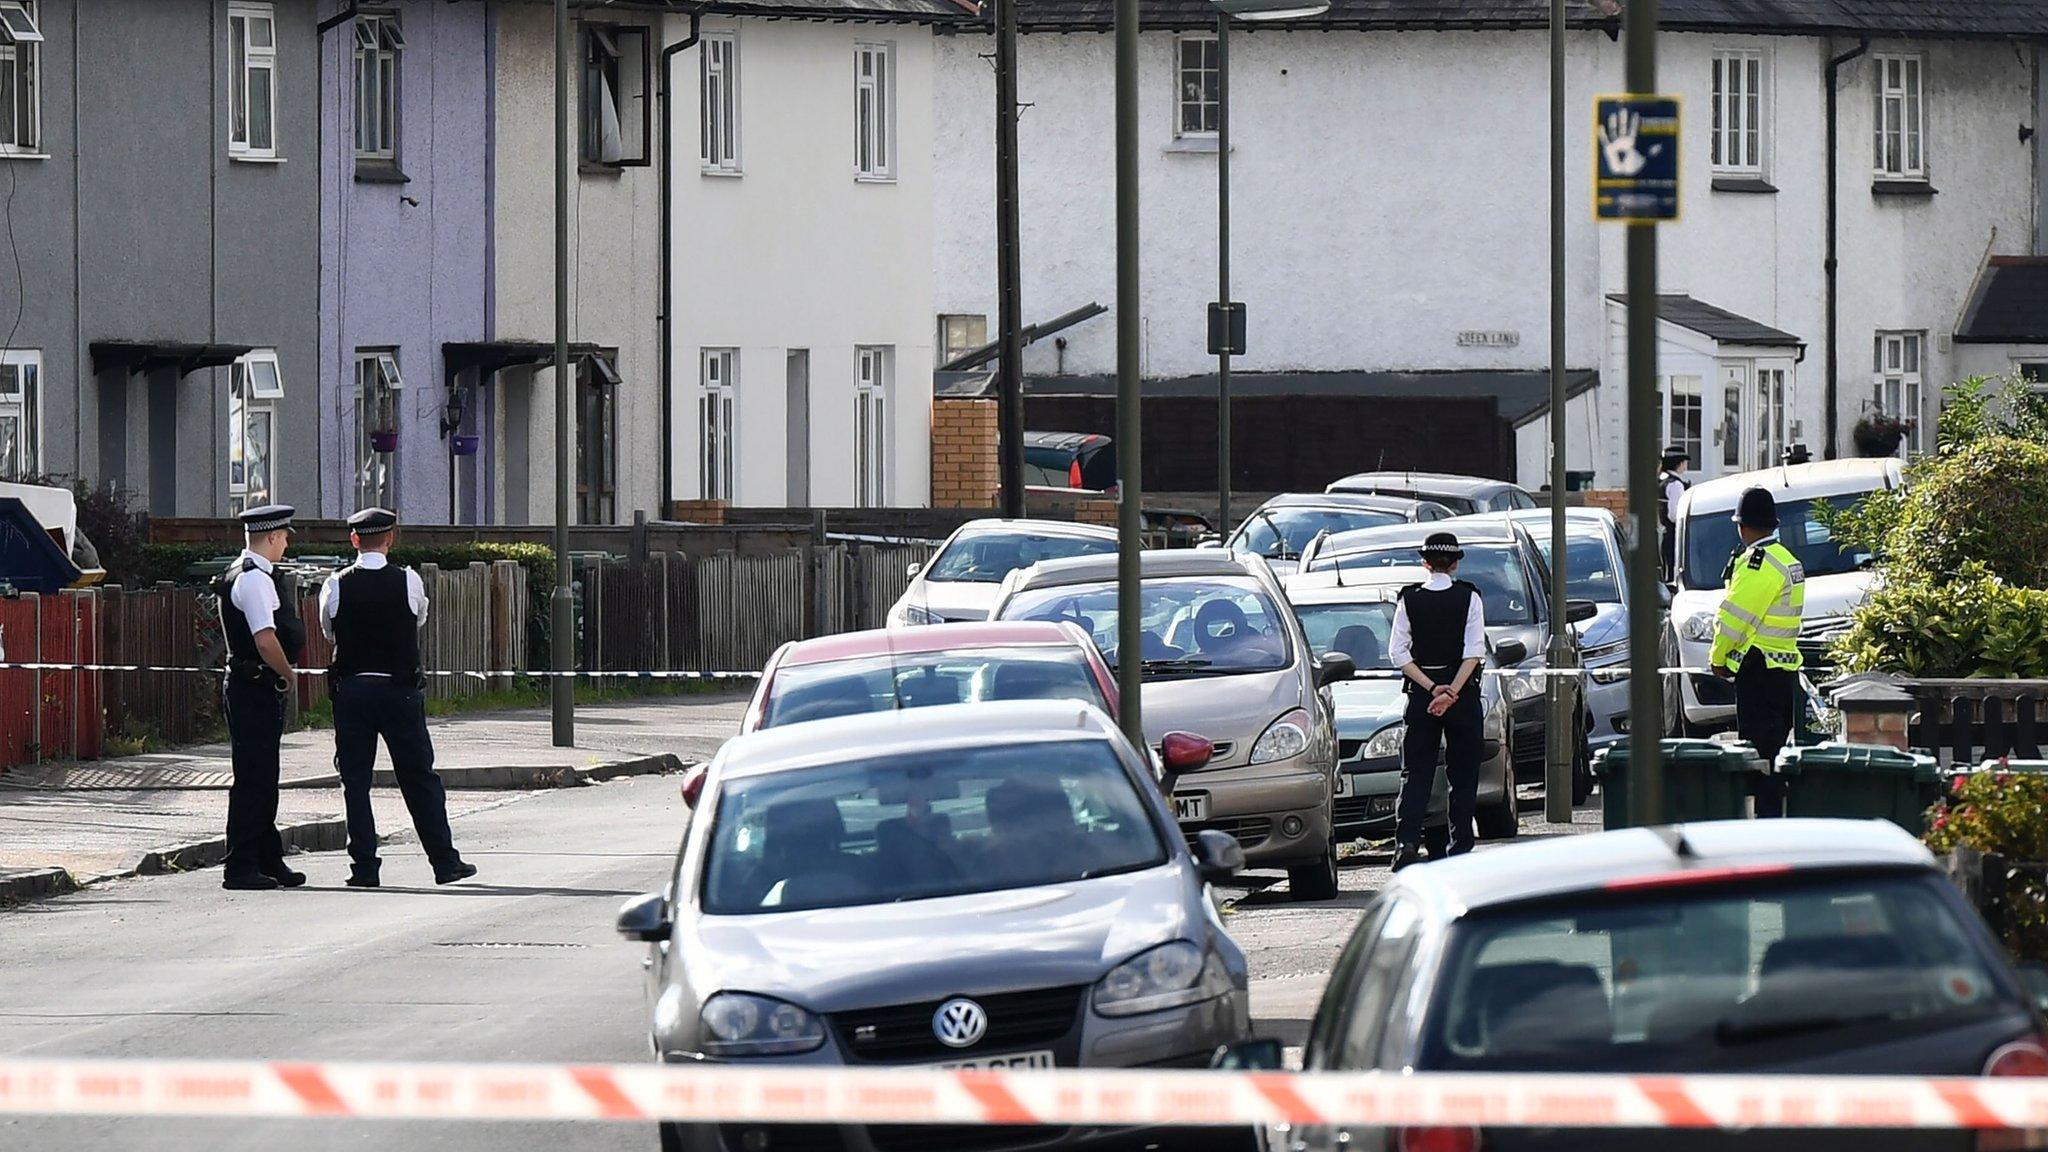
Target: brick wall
{"type": "Point", "coordinates": [964, 471]}
{"type": "Point", "coordinates": [1615, 500]}
{"type": "Point", "coordinates": [697, 511]}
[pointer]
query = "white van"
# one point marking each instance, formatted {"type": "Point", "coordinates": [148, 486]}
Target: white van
{"type": "Point", "coordinates": [1836, 580]}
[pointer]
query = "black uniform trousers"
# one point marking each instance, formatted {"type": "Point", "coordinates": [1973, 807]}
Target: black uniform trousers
{"type": "Point", "coordinates": [1667, 551]}
{"type": "Point", "coordinates": [1458, 735]}
{"type": "Point", "coordinates": [366, 707]}
{"type": "Point", "coordinates": [255, 711]}
{"type": "Point", "coordinates": [1767, 702]}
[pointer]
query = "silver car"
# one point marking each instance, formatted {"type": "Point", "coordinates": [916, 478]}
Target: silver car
{"type": "Point", "coordinates": [1224, 659]}
{"type": "Point", "coordinates": [960, 581]}
{"type": "Point", "coordinates": [992, 885]}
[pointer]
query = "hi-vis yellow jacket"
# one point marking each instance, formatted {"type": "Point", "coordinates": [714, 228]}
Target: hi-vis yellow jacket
{"type": "Point", "coordinates": [1766, 598]}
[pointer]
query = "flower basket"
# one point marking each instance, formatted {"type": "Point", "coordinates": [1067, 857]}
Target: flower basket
{"type": "Point", "coordinates": [1879, 434]}
{"type": "Point", "coordinates": [384, 442]}
{"type": "Point", "coordinates": [462, 445]}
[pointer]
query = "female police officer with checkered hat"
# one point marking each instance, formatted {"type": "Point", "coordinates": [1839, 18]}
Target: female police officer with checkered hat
{"type": "Point", "coordinates": [259, 615]}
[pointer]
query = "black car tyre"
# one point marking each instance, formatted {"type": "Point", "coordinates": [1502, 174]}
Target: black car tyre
{"type": "Point", "coordinates": [1582, 770]}
{"type": "Point", "coordinates": [671, 1137]}
{"type": "Point", "coordinates": [1499, 821]}
{"type": "Point", "coordinates": [1675, 725]}
{"type": "Point", "coordinates": [1314, 881]}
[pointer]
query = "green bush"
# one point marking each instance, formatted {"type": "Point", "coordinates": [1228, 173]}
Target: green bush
{"type": "Point", "coordinates": [1975, 624]}
{"type": "Point", "coordinates": [2006, 814]}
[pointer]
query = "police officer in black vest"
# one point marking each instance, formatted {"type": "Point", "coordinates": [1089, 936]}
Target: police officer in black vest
{"type": "Point", "coordinates": [259, 613]}
{"type": "Point", "coordinates": [1671, 486]}
{"type": "Point", "coordinates": [373, 612]}
{"type": "Point", "coordinates": [1439, 643]}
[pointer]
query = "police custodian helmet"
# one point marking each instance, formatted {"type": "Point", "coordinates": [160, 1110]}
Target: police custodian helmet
{"type": "Point", "coordinates": [1757, 509]}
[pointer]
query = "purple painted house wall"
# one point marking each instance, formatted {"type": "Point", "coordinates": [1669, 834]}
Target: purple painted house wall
{"type": "Point", "coordinates": [405, 264]}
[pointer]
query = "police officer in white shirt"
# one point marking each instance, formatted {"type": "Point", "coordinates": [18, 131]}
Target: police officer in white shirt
{"type": "Point", "coordinates": [373, 612]}
{"type": "Point", "coordinates": [259, 615]}
{"type": "Point", "coordinates": [1439, 644]}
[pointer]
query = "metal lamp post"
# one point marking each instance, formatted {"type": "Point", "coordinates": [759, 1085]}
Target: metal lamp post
{"type": "Point", "coordinates": [561, 644]}
{"type": "Point", "coordinates": [1258, 11]}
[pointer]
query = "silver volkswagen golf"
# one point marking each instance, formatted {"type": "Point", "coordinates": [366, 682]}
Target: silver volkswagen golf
{"type": "Point", "coordinates": [985, 885]}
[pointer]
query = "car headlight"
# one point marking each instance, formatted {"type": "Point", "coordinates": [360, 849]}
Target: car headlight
{"type": "Point", "coordinates": [1613, 675]}
{"type": "Point", "coordinates": [1518, 686]}
{"type": "Point", "coordinates": [1698, 629]}
{"type": "Point", "coordinates": [1288, 736]}
{"type": "Point", "coordinates": [1385, 743]}
{"type": "Point", "coordinates": [905, 615]}
{"type": "Point", "coordinates": [742, 1024]}
{"type": "Point", "coordinates": [1169, 976]}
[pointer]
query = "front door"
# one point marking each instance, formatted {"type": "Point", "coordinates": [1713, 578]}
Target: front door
{"type": "Point", "coordinates": [798, 428]}
{"type": "Point", "coordinates": [1735, 444]}
{"type": "Point", "coordinates": [1773, 412]}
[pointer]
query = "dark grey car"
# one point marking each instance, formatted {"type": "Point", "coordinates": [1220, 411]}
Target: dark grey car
{"type": "Point", "coordinates": [984, 885]}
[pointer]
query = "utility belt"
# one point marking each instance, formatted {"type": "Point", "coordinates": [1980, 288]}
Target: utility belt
{"type": "Point", "coordinates": [257, 674]}
{"type": "Point", "coordinates": [1437, 673]}
{"type": "Point", "coordinates": [416, 679]}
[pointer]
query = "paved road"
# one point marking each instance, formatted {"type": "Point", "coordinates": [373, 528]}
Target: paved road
{"type": "Point", "coordinates": [521, 964]}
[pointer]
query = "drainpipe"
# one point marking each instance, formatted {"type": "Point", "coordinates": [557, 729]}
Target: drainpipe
{"type": "Point", "coordinates": [1831, 386]}
{"type": "Point", "coordinates": [668, 368]}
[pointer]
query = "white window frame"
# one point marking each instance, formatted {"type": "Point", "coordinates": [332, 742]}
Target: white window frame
{"type": "Point", "coordinates": [1741, 112]}
{"type": "Point", "coordinates": [1899, 114]}
{"type": "Point", "coordinates": [874, 371]}
{"type": "Point", "coordinates": [1897, 387]}
{"type": "Point", "coordinates": [1694, 390]}
{"type": "Point", "coordinates": [962, 325]}
{"type": "Point", "coordinates": [378, 73]}
{"type": "Point", "coordinates": [21, 79]}
{"type": "Point", "coordinates": [21, 409]}
{"type": "Point", "coordinates": [718, 422]}
{"type": "Point", "coordinates": [1774, 406]}
{"type": "Point", "coordinates": [1206, 81]}
{"type": "Point", "coordinates": [253, 397]}
{"type": "Point", "coordinates": [718, 92]}
{"type": "Point", "coordinates": [379, 386]}
{"type": "Point", "coordinates": [874, 112]}
{"type": "Point", "coordinates": [246, 58]}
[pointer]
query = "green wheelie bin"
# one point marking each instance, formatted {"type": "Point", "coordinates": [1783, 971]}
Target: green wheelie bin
{"type": "Point", "coordinates": [1703, 780]}
{"type": "Point", "coordinates": [1860, 781]}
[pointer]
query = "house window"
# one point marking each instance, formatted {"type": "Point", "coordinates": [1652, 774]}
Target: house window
{"type": "Point", "coordinates": [378, 390]}
{"type": "Point", "coordinates": [617, 111]}
{"type": "Point", "coordinates": [1738, 139]}
{"type": "Point", "coordinates": [961, 334]}
{"type": "Point", "coordinates": [1683, 416]}
{"type": "Point", "coordinates": [1895, 387]}
{"type": "Point", "coordinates": [1773, 401]}
{"type": "Point", "coordinates": [719, 136]}
{"type": "Point", "coordinates": [21, 414]}
{"type": "Point", "coordinates": [871, 425]}
{"type": "Point", "coordinates": [2032, 373]}
{"type": "Point", "coordinates": [1198, 97]}
{"type": "Point", "coordinates": [254, 388]}
{"type": "Point", "coordinates": [874, 105]}
{"type": "Point", "coordinates": [1900, 117]}
{"type": "Point", "coordinates": [379, 44]}
{"type": "Point", "coordinates": [252, 81]}
{"type": "Point", "coordinates": [21, 54]}
{"type": "Point", "coordinates": [597, 440]}
{"type": "Point", "coordinates": [715, 419]}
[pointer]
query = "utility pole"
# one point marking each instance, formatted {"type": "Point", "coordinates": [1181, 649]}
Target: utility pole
{"type": "Point", "coordinates": [562, 638]}
{"type": "Point", "coordinates": [1009, 309]}
{"type": "Point", "coordinates": [1223, 272]}
{"type": "Point", "coordinates": [1130, 657]}
{"type": "Point", "coordinates": [1646, 725]}
{"type": "Point", "coordinates": [1562, 724]}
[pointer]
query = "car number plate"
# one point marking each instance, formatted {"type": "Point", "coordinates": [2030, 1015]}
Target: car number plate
{"type": "Point", "coordinates": [1345, 785]}
{"type": "Point", "coordinates": [1006, 1061]}
{"type": "Point", "coordinates": [1191, 806]}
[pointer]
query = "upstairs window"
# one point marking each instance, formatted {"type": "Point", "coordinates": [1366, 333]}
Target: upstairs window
{"type": "Point", "coordinates": [21, 57]}
{"type": "Point", "coordinates": [252, 81]}
{"type": "Point", "coordinates": [254, 388]}
{"type": "Point", "coordinates": [21, 409]}
{"type": "Point", "coordinates": [874, 106]}
{"type": "Point", "coordinates": [379, 47]}
{"type": "Point", "coordinates": [617, 111]}
{"type": "Point", "coordinates": [1900, 117]}
{"type": "Point", "coordinates": [1738, 138]}
{"type": "Point", "coordinates": [959, 334]}
{"type": "Point", "coordinates": [1198, 101]}
{"type": "Point", "coordinates": [719, 135]}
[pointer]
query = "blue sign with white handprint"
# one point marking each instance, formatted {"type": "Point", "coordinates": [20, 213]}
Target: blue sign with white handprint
{"type": "Point", "coordinates": [1635, 158]}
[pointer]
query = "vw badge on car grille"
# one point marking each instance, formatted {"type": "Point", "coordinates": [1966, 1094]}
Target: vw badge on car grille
{"type": "Point", "coordinates": [959, 1023]}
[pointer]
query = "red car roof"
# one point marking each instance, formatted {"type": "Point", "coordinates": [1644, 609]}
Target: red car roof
{"type": "Point", "coordinates": [925, 638]}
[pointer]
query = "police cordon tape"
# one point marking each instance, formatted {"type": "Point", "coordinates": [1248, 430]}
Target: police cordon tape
{"type": "Point", "coordinates": [678, 674]}
{"type": "Point", "coordinates": [734, 1094]}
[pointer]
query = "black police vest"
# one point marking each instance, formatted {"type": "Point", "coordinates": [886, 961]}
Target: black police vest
{"type": "Point", "coordinates": [1664, 508]}
{"type": "Point", "coordinates": [1436, 624]}
{"type": "Point", "coordinates": [243, 660]}
{"type": "Point", "coordinates": [374, 627]}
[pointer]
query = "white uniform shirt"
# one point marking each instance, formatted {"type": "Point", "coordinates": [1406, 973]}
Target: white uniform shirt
{"type": "Point", "coordinates": [1401, 647]}
{"type": "Point", "coordinates": [330, 594]}
{"type": "Point", "coordinates": [1673, 493]}
{"type": "Point", "coordinates": [255, 593]}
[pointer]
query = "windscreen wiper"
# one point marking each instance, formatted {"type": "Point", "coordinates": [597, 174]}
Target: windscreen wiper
{"type": "Point", "coordinates": [1729, 1032]}
{"type": "Point", "coordinates": [1195, 664]}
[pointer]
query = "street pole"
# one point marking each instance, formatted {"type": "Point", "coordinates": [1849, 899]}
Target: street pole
{"type": "Point", "coordinates": [1645, 724]}
{"type": "Point", "coordinates": [562, 639]}
{"type": "Point", "coordinates": [1561, 726]}
{"type": "Point", "coordinates": [1130, 661]}
{"type": "Point", "coordinates": [1009, 309]}
{"type": "Point", "coordinates": [1223, 272]}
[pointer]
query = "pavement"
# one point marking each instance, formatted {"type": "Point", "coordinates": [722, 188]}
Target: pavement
{"type": "Point", "coordinates": [66, 826]}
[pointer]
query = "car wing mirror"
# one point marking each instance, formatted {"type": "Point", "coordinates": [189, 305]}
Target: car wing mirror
{"type": "Point", "coordinates": [1218, 855]}
{"type": "Point", "coordinates": [912, 569]}
{"type": "Point", "coordinates": [1509, 652]}
{"type": "Point", "coordinates": [645, 918]}
{"type": "Point", "coordinates": [693, 787]}
{"type": "Point", "coordinates": [1334, 668]}
{"type": "Point", "coordinates": [1185, 752]}
{"type": "Point", "coordinates": [1261, 1054]}
{"type": "Point", "coordinates": [1580, 611]}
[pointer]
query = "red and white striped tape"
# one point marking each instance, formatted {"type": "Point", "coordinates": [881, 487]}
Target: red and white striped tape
{"type": "Point", "coordinates": [730, 1093]}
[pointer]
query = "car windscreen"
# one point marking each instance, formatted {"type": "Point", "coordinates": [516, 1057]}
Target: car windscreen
{"type": "Point", "coordinates": [926, 824]}
{"type": "Point", "coordinates": [1193, 626]}
{"type": "Point", "coordinates": [1462, 505]}
{"type": "Point", "coordinates": [1710, 540]}
{"type": "Point", "coordinates": [1360, 631]}
{"type": "Point", "coordinates": [1495, 569]}
{"type": "Point", "coordinates": [1590, 571]}
{"type": "Point", "coordinates": [986, 557]}
{"type": "Point", "coordinates": [1281, 533]}
{"type": "Point", "coordinates": [1708, 978]}
{"type": "Point", "coordinates": [885, 683]}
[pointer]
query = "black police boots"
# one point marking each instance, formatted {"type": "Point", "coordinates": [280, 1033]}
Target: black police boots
{"type": "Point", "coordinates": [454, 872]}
